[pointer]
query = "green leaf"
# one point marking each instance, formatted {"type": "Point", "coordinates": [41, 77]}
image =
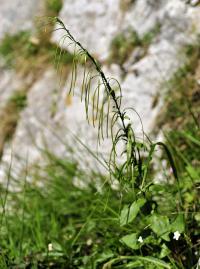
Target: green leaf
{"type": "Point", "coordinates": [160, 226]}
{"type": "Point", "coordinates": [107, 254]}
{"type": "Point", "coordinates": [135, 264]}
{"type": "Point", "coordinates": [178, 224]}
{"type": "Point", "coordinates": [155, 261]}
{"type": "Point", "coordinates": [164, 251]}
{"type": "Point", "coordinates": [131, 240]}
{"type": "Point", "coordinates": [151, 240]}
{"type": "Point", "coordinates": [197, 217]}
{"type": "Point", "coordinates": [147, 259]}
{"type": "Point", "coordinates": [129, 213]}
{"type": "Point", "coordinates": [192, 172]}
{"type": "Point", "coordinates": [57, 246]}
{"type": "Point", "coordinates": [191, 138]}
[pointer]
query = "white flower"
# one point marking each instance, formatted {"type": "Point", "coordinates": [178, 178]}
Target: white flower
{"type": "Point", "coordinates": [50, 247]}
{"type": "Point", "coordinates": [176, 235]}
{"type": "Point", "coordinates": [140, 239]}
{"type": "Point", "coordinates": [89, 242]}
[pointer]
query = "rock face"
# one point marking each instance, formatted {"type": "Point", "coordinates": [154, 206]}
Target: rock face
{"type": "Point", "coordinates": [17, 15]}
{"type": "Point", "coordinates": [95, 23]}
{"type": "Point", "coordinates": [10, 82]}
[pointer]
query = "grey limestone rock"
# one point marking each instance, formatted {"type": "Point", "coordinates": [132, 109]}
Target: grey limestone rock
{"type": "Point", "coordinates": [17, 15]}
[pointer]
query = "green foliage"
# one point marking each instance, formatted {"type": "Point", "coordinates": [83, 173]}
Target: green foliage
{"type": "Point", "coordinates": [129, 212]}
{"type": "Point", "coordinates": [131, 240]}
{"type": "Point", "coordinates": [148, 37]}
{"type": "Point", "coordinates": [12, 46]}
{"type": "Point", "coordinates": [160, 226]}
{"type": "Point", "coordinates": [182, 110]}
{"type": "Point", "coordinates": [54, 7]}
{"type": "Point", "coordinates": [25, 52]}
{"type": "Point", "coordinates": [10, 115]}
{"type": "Point", "coordinates": [63, 225]}
{"type": "Point", "coordinates": [18, 99]}
{"type": "Point", "coordinates": [124, 44]}
{"type": "Point", "coordinates": [72, 219]}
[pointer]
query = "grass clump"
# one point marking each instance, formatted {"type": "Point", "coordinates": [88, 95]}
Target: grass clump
{"type": "Point", "coordinates": [62, 225]}
{"type": "Point", "coordinates": [26, 53]}
{"type": "Point", "coordinates": [53, 7]}
{"type": "Point", "coordinates": [125, 4]}
{"type": "Point", "coordinates": [124, 44]}
{"type": "Point", "coordinates": [18, 100]}
{"type": "Point", "coordinates": [148, 37]}
{"type": "Point", "coordinates": [182, 103]}
{"type": "Point", "coordinates": [10, 116]}
{"type": "Point", "coordinates": [58, 225]}
{"type": "Point", "coordinates": [13, 45]}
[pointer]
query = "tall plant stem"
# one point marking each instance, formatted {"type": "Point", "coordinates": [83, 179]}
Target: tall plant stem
{"type": "Point", "coordinates": [108, 87]}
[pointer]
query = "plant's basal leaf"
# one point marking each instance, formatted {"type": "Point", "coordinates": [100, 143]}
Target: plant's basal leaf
{"type": "Point", "coordinates": [164, 251]}
{"type": "Point", "coordinates": [131, 240]}
{"type": "Point", "coordinates": [178, 224]}
{"type": "Point", "coordinates": [160, 226]}
{"type": "Point", "coordinates": [129, 213]}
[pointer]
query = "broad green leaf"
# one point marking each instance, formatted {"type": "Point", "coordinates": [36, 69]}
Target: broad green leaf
{"type": "Point", "coordinates": [107, 254]}
{"type": "Point", "coordinates": [178, 224]}
{"type": "Point", "coordinates": [164, 251]}
{"type": "Point", "coordinates": [129, 213]}
{"type": "Point", "coordinates": [131, 240]}
{"type": "Point", "coordinates": [160, 226]}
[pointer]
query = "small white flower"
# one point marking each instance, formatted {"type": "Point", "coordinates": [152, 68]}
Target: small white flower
{"type": "Point", "coordinates": [89, 242]}
{"type": "Point", "coordinates": [140, 239]}
{"type": "Point", "coordinates": [50, 247]}
{"type": "Point", "coordinates": [176, 235]}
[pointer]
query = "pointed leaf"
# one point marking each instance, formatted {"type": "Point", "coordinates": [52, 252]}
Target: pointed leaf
{"type": "Point", "coordinates": [129, 213]}
{"type": "Point", "coordinates": [164, 251]}
{"type": "Point", "coordinates": [160, 226]}
{"type": "Point", "coordinates": [131, 240]}
{"type": "Point", "coordinates": [178, 224]}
